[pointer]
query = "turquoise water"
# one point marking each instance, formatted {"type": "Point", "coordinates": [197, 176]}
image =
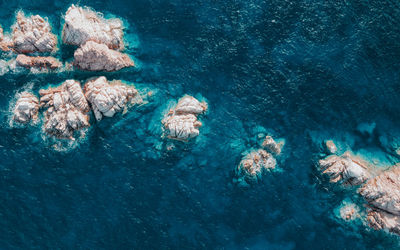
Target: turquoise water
{"type": "Point", "coordinates": [300, 70]}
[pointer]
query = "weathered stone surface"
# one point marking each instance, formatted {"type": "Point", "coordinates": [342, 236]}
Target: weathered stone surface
{"type": "Point", "coordinates": [181, 122]}
{"type": "Point", "coordinates": [82, 25]}
{"type": "Point", "coordinates": [330, 147]}
{"type": "Point", "coordinates": [381, 220]}
{"type": "Point", "coordinates": [67, 109]}
{"type": "Point", "coordinates": [383, 191]}
{"type": "Point", "coordinates": [32, 34]}
{"type": "Point", "coordinates": [93, 56]}
{"type": "Point", "coordinates": [271, 145]}
{"type": "Point", "coordinates": [252, 166]}
{"type": "Point", "coordinates": [26, 108]}
{"type": "Point", "coordinates": [107, 98]}
{"type": "Point", "coordinates": [349, 211]}
{"type": "Point", "coordinates": [345, 168]}
{"type": "Point", "coordinates": [38, 62]}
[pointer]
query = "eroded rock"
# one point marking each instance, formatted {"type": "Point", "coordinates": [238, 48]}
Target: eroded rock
{"type": "Point", "coordinates": [93, 56]}
{"type": "Point", "coordinates": [330, 147]}
{"type": "Point", "coordinates": [82, 25]}
{"type": "Point", "coordinates": [349, 211]}
{"type": "Point", "coordinates": [381, 220]}
{"type": "Point", "coordinates": [67, 109]}
{"type": "Point", "coordinates": [26, 108]}
{"type": "Point", "coordinates": [37, 62]}
{"type": "Point", "coordinates": [345, 169]}
{"type": "Point", "coordinates": [181, 122]}
{"type": "Point", "coordinates": [107, 98]}
{"type": "Point", "coordinates": [253, 165]}
{"type": "Point", "coordinates": [271, 145]}
{"type": "Point", "coordinates": [32, 34]}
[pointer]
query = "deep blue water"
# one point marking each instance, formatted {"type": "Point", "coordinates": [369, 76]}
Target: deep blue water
{"type": "Point", "coordinates": [301, 70]}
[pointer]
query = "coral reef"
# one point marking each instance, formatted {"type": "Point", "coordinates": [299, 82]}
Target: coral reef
{"type": "Point", "coordinates": [67, 109]}
{"type": "Point", "coordinates": [26, 108]}
{"type": "Point", "coordinates": [38, 62]}
{"type": "Point", "coordinates": [105, 98]}
{"type": "Point", "coordinates": [181, 122]}
{"type": "Point", "coordinates": [82, 25]}
{"type": "Point", "coordinates": [93, 56]}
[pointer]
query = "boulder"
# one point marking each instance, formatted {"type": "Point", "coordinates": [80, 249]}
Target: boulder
{"type": "Point", "coordinates": [181, 122]}
{"type": "Point", "coordinates": [271, 145]}
{"type": "Point", "coordinates": [82, 25]}
{"type": "Point", "coordinates": [48, 62]}
{"type": "Point", "coordinates": [93, 56]}
{"type": "Point", "coordinates": [26, 108]}
{"type": "Point", "coordinates": [67, 109]}
{"type": "Point", "coordinates": [32, 34]}
{"type": "Point", "coordinates": [106, 98]}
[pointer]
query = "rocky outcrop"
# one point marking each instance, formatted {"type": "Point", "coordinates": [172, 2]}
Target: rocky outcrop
{"type": "Point", "coordinates": [67, 109]}
{"type": "Point", "coordinates": [82, 25]}
{"type": "Point", "coordinates": [253, 165]}
{"type": "Point", "coordinates": [181, 122]}
{"type": "Point", "coordinates": [38, 62]}
{"type": "Point", "coordinates": [349, 211]}
{"type": "Point", "coordinates": [330, 147]}
{"type": "Point", "coordinates": [106, 98]}
{"type": "Point", "coordinates": [26, 108]}
{"type": "Point", "coordinates": [93, 56]}
{"type": "Point", "coordinates": [272, 146]}
{"type": "Point", "coordinates": [32, 34]}
{"type": "Point", "coordinates": [345, 169]}
{"type": "Point", "coordinates": [381, 220]}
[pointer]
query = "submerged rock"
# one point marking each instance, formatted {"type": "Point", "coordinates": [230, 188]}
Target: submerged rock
{"type": "Point", "coordinates": [345, 168]}
{"type": "Point", "coordinates": [107, 98]}
{"type": "Point", "coordinates": [26, 108]}
{"type": "Point", "coordinates": [82, 25]}
{"type": "Point", "coordinates": [38, 62]}
{"type": "Point", "coordinates": [253, 165]}
{"type": "Point", "coordinates": [67, 109]}
{"type": "Point", "coordinates": [181, 122]}
{"type": "Point", "coordinates": [93, 56]}
{"type": "Point", "coordinates": [349, 211]}
{"type": "Point", "coordinates": [32, 34]}
{"type": "Point", "coordinates": [330, 147]}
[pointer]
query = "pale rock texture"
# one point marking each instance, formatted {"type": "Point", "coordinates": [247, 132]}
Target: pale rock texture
{"type": "Point", "coordinates": [181, 122]}
{"type": "Point", "coordinates": [106, 98]}
{"type": "Point", "coordinates": [345, 168]}
{"type": "Point", "coordinates": [82, 25]}
{"type": "Point", "coordinates": [252, 166]}
{"type": "Point", "coordinates": [383, 191]}
{"type": "Point", "coordinates": [330, 147]}
{"type": "Point", "coordinates": [349, 212]}
{"type": "Point", "coordinates": [26, 108]}
{"type": "Point", "coordinates": [48, 62]}
{"type": "Point", "coordinates": [32, 34]}
{"type": "Point", "coordinates": [271, 145]}
{"type": "Point", "coordinates": [381, 220]}
{"type": "Point", "coordinates": [93, 56]}
{"type": "Point", "coordinates": [67, 109]}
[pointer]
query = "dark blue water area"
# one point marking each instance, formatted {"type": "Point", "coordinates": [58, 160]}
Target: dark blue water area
{"type": "Point", "coordinates": [299, 70]}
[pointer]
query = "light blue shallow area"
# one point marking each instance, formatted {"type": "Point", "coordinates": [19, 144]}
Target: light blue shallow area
{"type": "Point", "coordinates": [302, 70]}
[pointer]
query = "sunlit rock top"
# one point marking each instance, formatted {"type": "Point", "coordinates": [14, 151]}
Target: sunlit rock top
{"type": "Point", "coordinates": [107, 98]}
{"type": "Point", "coordinates": [26, 108]}
{"type": "Point", "coordinates": [82, 25]}
{"type": "Point", "coordinates": [181, 122]}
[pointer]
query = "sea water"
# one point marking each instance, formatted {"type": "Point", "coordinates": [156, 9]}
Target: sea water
{"type": "Point", "coordinates": [305, 71]}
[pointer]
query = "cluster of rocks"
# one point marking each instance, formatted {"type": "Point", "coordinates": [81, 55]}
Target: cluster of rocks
{"type": "Point", "coordinates": [181, 122]}
{"type": "Point", "coordinates": [99, 40]}
{"type": "Point", "coordinates": [379, 187]}
{"type": "Point", "coordinates": [256, 162]}
{"type": "Point", "coordinates": [67, 106]}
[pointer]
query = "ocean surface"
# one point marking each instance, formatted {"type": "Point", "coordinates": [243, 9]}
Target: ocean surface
{"type": "Point", "coordinates": [302, 70]}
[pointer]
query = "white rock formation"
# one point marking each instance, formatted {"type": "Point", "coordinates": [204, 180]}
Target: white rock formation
{"type": "Point", "coordinates": [382, 220]}
{"type": "Point", "coordinates": [345, 168]}
{"type": "Point", "coordinates": [26, 108]}
{"type": "Point", "coordinates": [107, 98]}
{"type": "Point", "coordinates": [349, 211]}
{"type": "Point", "coordinates": [253, 165]}
{"type": "Point", "coordinates": [82, 25]}
{"type": "Point", "coordinates": [93, 56]}
{"type": "Point", "coordinates": [330, 147]}
{"type": "Point", "coordinates": [67, 109]}
{"type": "Point", "coordinates": [181, 122]}
{"type": "Point", "coordinates": [32, 34]}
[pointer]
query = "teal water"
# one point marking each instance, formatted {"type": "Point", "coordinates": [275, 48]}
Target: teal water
{"type": "Point", "coordinates": [300, 70]}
